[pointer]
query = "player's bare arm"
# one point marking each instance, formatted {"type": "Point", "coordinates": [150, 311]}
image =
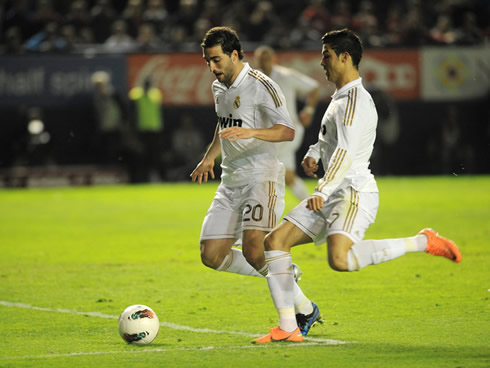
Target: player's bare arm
{"type": "Point", "coordinates": [310, 166]}
{"type": "Point", "coordinates": [278, 133]}
{"type": "Point", "coordinates": [306, 114]}
{"type": "Point", "coordinates": [204, 168]}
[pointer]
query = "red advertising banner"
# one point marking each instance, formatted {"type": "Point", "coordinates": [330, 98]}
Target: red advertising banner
{"type": "Point", "coordinates": [185, 79]}
{"type": "Point", "coordinates": [396, 71]}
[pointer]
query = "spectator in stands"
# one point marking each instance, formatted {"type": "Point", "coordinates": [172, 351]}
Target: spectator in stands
{"type": "Point", "coordinates": [365, 23]}
{"type": "Point", "coordinates": [102, 17]}
{"type": "Point", "coordinates": [21, 16]}
{"type": "Point", "coordinates": [443, 32]}
{"type": "Point", "coordinates": [45, 13]}
{"type": "Point", "coordinates": [78, 15]}
{"type": "Point", "coordinates": [156, 14]}
{"type": "Point", "coordinates": [119, 40]}
{"type": "Point", "coordinates": [180, 25]}
{"type": "Point", "coordinates": [342, 17]}
{"type": "Point", "coordinates": [414, 29]}
{"type": "Point", "coordinates": [86, 36]}
{"type": "Point", "coordinates": [133, 16]}
{"type": "Point", "coordinates": [316, 18]}
{"type": "Point", "coordinates": [212, 12]}
{"type": "Point", "coordinates": [260, 21]}
{"type": "Point", "coordinates": [146, 41]}
{"type": "Point", "coordinates": [48, 40]}
{"type": "Point", "coordinates": [470, 33]}
{"type": "Point", "coordinates": [13, 42]}
{"type": "Point", "coordinates": [393, 26]}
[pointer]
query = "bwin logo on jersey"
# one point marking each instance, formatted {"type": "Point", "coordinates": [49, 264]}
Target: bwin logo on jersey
{"type": "Point", "coordinates": [236, 103]}
{"type": "Point", "coordinates": [229, 122]}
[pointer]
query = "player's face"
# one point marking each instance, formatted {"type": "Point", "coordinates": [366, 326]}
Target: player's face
{"type": "Point", "coordinates": [331, 64]}
{"type": "Point", "coordinates": [223, 66]}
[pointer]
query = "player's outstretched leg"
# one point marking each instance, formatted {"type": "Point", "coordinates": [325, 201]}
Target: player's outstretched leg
{"type": "Point", "coordinates": [277, 335]}
{"type": "Point", "coordinates": [440, 246]}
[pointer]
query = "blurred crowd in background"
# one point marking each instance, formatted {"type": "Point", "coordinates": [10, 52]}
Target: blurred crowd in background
{"type": "Point", "coordinates": [47, 26]}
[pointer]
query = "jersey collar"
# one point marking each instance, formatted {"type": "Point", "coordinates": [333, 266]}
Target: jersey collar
{"type": "Point", "coordinates": [240, 76]}
{"type": "Point", "coordinates": [340, 92]}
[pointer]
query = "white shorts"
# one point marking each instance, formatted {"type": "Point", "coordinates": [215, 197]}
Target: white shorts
{"type": "Point", "coordinates": [256, 206]}
{"type": "Point", "coordinates": [346, 212]}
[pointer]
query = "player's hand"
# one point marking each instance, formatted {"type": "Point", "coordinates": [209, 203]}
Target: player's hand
{"type": "Point", "coordinates": [315, 203]}
{"type": "Point", "coordinates": [203, 170]}
{"type": "Point", "coordinates": [310, 166]}
{"type": "Point", "coordinates": [235, 133]}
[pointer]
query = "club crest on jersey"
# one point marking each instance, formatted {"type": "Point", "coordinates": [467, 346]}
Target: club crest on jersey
{"type": "Point", "coordinates": [236, 103]}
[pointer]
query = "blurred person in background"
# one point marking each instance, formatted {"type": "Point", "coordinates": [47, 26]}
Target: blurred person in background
{"type": "Point", "coordinates": [294, 85]}
{"type": "Point", "coordinates": [13, 42]}
{"type": "Point", "coordinates": [156, 14]}
{"type": "Point", "coordinates": [146, 40]}
{"type": "Point", "coordinates": [260, 21]}
{"type": "Point", "coordinates": [119, 40]}
{"type": "Point", "coordinates": [111, 118]}
{"type": "Point", "coordinates": [187, 143]}
{"type": "Point", "coordinates": [147, 122]}
{"type": "Point", "coordinates": [102, 16]}
{"type": "Point", "coordinates": [78, 15]}
{"type": "Point", "coordinates": [133, 16]}
{"type": "Point", "coordinates": [48, 40]}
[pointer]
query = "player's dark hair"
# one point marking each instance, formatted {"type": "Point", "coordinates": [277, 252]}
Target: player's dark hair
{"type": "Point", "coordinates": [226, 37]}
{"type": "Point", "coordinates": [344, 40]}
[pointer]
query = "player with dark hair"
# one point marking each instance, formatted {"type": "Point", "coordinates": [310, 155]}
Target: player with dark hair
{"type": "Point", "coordinates": [250, 198]}
{"type": "Point", "coordinates": [346, 199]}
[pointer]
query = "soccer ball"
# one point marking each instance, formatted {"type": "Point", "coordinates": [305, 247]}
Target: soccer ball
{"type": "Point", "coordinates": [138, 324]}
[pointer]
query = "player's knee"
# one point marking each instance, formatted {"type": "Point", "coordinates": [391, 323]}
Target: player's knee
{"type": "Point", "coordinates": [210, 259]}
{"type": "Point", "coordinates": [254, 256]}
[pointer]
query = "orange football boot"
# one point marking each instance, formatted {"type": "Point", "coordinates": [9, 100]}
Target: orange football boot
{"type": "Point", "coordinates": [277, 335]}
{"type": "Point", "coordinates": [440, 246]}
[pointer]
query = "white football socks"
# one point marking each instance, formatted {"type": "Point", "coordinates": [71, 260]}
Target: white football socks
{"type": "Point", "coordinates": [281, 285]}
{"type": "Point", "coordinates": [235, 262]}
{"type": "Point", "coordinates": [371, 252]}
{"type": "Point", "coordinates": [287, 295]}
{"type": "Point", "coordinates": [299, 189]}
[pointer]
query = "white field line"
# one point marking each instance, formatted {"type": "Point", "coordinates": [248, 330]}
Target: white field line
{"type": "Point", "coordinates": [160, 350]}
{"type": "Point", "coordinates": [310, 340]}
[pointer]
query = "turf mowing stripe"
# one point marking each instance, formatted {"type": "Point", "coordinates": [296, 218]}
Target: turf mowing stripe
{"type": "Point", "coordinates": [160, 350]}
{"type": "Point", "coordinates": [164, 324]}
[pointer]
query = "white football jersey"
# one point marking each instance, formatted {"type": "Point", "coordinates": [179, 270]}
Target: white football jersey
{"type": "Point", "coordinates": [346, 141]}
{"type": "Point", "coordinates": [253, 101]}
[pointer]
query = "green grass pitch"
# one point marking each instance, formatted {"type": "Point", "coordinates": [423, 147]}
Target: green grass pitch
{"type": "Point", "coordinates": [71, 260]}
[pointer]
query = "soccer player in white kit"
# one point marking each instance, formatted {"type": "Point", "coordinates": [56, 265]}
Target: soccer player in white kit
{"type": "Point", "coordinates": [294, 85]}
{"type": "Point", "coordinates": [346, 200]}
{"type": "Point", "coordinates": [250, 198]}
